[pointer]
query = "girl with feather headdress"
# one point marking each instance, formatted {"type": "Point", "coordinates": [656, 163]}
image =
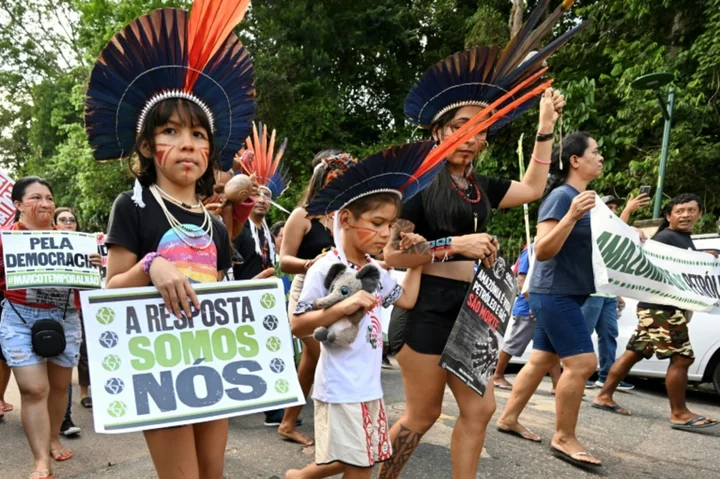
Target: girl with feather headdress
{"type": "Point", "coordinates": [470, 94]}
{"type": "Point", "coordinates": [159, 92]}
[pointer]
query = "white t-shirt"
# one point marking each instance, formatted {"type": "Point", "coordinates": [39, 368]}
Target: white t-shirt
{"type": "Point", "coordinates": [349, 374]}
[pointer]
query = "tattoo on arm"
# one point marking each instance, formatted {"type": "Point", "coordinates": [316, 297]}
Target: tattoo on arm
{"type": "Point", "coordinates": [403, 447]}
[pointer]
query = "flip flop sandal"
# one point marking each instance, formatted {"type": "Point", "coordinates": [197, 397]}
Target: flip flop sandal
{"type": "Point", "coordinates": [692, 424]}
{"type": "Point", "coordinates": [7, 408]}
{"type": "Point", "coordinates": [61, 457]}
{"type": "Point", "coordinates": [86, 402]}
{"type": "Point", "coordinates": [521, 435]}
{"type": "Point", "coordinates": [503, 387]}
{"type": "Point", "coordinates": [617, 409]}
{"type": "Point", "coordinates": [573, 458]}
{"type": "Point", "coordinates": [40, 475]}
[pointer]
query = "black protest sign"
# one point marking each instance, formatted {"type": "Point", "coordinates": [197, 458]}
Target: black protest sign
{"type": "Point", "coordinates": [472, 350]}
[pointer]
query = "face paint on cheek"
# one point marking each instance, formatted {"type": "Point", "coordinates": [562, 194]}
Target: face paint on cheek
{"type": "Point", "coordinates": [204, 155]}
{"type": "Point", "coordinates": [187, 172]}
{"type": "Point", "coordinates": [162, 151]}
{"type": "Point", "coordinates": [365, 235]}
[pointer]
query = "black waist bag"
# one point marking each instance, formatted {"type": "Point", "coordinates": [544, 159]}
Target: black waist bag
{"type": "Point", "coordinates": [47, 335]}
{"type": "Point", "coordinates": [48, 338]}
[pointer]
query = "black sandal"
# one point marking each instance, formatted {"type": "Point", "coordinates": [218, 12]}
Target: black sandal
{"type": "Point", "coordinates": [86, 402]}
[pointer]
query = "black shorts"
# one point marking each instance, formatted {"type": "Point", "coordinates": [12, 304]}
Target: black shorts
{"type": "Point", "coordinates": [429, 323]}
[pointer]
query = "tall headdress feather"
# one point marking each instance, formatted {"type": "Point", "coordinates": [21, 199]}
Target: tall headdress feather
{"type": "Point", "coordinates": [170, 54]}
{"type": "Point", "coordinates": [480, 76]}
{"type": "Point", "coordinates": [257, 159]}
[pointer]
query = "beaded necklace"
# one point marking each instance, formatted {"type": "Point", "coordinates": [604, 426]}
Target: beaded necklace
{"type": "Point", "coordinates": [182, 230]}
{"type": "Point", "coordinates": [464, 194]}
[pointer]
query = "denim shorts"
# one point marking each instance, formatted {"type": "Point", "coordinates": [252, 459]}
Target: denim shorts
{"type": "Point", "coordinates": [561, 327]}
{"type": "Point", "coordinates": [16, 340]}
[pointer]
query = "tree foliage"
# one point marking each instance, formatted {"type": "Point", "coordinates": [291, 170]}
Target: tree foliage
{"type": "Point", "coordinates": [335, 73]}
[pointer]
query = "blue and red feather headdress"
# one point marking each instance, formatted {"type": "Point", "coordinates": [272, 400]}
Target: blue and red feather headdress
{"type": "Point", "coordinates": [483, 75]}
{"type": "Point", "coordinates": [170, 54]}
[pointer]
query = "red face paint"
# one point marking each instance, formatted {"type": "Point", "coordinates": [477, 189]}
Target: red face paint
{"type": "Point", "coordinates": [365, 235]}
{"type": "Point", "coordinates": [187, 172]}
{"type": "Point", "coordinates": [162, 151]}
{"type": "Point", "coordinates": [204, 155]}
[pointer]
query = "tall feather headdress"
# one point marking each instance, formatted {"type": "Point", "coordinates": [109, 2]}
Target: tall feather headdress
{"type": "Point", "coordinates": [483, 75]}
{"type": "Point", "coordinates": [257, 159]}
{"type": "Point", "coordinates": [169, 53]}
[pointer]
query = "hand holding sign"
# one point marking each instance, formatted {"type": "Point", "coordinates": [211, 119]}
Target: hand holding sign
{"type": "Point", "coordinates": [173, 286]}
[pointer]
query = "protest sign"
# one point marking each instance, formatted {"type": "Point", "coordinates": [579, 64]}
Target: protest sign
{"type": "Point", "coordinates": [472, 350]}
{"type": "Point", "coordinates": [7, 207]}
{"type": "Point", "coordinates": [652, 272]}
{"type": "Point", "coordinates": [41, 259]}
{"type": "Point", "coordinates": [103, 250]}
{"type": "Point", "coordinates": [150, 369]}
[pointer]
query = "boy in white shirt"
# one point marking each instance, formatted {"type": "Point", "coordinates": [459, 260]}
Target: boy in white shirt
{"type": "Point", "coordinates": [351, 430]}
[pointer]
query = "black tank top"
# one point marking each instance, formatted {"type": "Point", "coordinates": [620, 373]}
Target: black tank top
{"type": "Point", "coordinates": [315, 241]}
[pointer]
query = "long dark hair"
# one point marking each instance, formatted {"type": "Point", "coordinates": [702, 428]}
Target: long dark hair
{"type": "Point", "coordinates": [680, 199]}
{"type": "Point", "coordinates": [443, 207]}
{"type": "Point", "coordinates": [18, 190]}
{"type": "Point", "coordinates": [190, 114]}
{"type": "Point", "coordinates": [317, 179]}
{"type": "Point", "coordinates": [574, 144]}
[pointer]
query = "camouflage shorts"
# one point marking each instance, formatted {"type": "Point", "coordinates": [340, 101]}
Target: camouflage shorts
{"type": "Point", "coordinates": [662, 333]}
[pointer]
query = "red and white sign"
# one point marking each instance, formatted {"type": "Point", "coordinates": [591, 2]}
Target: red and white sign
{"type": "Point", "coordinates": [7, 207]}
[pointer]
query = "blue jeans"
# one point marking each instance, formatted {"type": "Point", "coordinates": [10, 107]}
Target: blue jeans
{"type": "Point", "coordinates": [601, 316]}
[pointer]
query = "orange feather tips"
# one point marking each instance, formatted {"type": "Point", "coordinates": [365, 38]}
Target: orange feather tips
{"type": "Point", "coordinates": [259, 157]}
{"type": "Point", "coordinates": [211, 21]}
{"type": "Point", "coordinates": [567, 4]}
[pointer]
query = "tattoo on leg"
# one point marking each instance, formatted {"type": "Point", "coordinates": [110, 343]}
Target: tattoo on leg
{"type": "Point", "coordinates": [403, 447]}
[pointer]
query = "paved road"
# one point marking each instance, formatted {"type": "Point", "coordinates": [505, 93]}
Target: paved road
{"type": "Point", "coordinates": [641, 446]}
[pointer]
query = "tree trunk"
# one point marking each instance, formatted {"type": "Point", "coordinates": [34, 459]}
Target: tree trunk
{"type": "Point", "coordinates": [516, 16]}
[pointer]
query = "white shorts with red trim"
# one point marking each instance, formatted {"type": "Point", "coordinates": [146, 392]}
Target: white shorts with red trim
{"type": "Point", "coordinates": [356, 434]}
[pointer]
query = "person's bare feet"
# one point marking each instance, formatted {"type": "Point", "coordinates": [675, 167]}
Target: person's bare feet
{"type": "Point", "coordinates": [573, 449]}
{"type": "Point", "coordinates": [295, 436]}
{"type": "Point", "coordinates": [293, 474]}
{"type": "Point", "coordinates": [502, 383]}
{"type": "Point", "coordinates": [6, 406]}
{"type": "Point", "coordinates": [518, 430]}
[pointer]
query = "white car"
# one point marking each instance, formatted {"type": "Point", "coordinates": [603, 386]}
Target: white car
{"type": "Point", "coordinates": [704, 336]}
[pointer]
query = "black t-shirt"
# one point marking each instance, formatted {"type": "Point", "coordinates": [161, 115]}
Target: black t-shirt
{"type": "Point", "coordinates": [253, 263]}
{"type": "Point", "coordinates": [144, 230]}
{"type": "Point", "coordinates": [493, 191]}
{"type": "Point", "coordinates": [673, 238]}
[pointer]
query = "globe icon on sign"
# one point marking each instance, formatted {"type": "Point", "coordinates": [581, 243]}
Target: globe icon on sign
{"type": "Point", "coordinates": [108, 339]}
{"type": "Point", "coordinates": [114, 386]}
{"type": "Point", "coordinates": [273, 344]}
{"type": "Point", "coordinates": [277, 365]}
{"type": "Point", "coordinates": [105, 315]}
{"type": "Point", "coordinates": [111, 362]}
{"type": "Point", "coordinates": [282, 386]}
{"type": "Point", "coordinates": [267, 301]}
{"type": "Point", "coordinates": [117, 409]}
{"type": "Point", "coordinates": [270, 322]}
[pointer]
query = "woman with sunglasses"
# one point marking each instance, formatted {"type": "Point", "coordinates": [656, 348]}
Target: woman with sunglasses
{"type": "Point", "coordinates": [65, 219]}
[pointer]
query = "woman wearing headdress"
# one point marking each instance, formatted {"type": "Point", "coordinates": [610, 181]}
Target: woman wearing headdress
{"type": "Point", "coordinates": [306, 239]}
{"type": "Point", "coordinates": [159, 92]}
{"type": "Point", "coordinates": [453, 213]}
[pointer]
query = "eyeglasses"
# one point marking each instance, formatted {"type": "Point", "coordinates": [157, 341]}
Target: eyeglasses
{"type": "Point", "coordinates": [67, 221]}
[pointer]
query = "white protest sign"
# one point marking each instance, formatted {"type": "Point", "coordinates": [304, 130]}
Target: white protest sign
{"type": "Point", "coordinates": [7, 207]}
{"type": "Point", "coordinates": [652, 272]}
{"type": "Point", "coordinates": [42, 259]}
{"type": "Point", "coordinates": [150, 369]}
